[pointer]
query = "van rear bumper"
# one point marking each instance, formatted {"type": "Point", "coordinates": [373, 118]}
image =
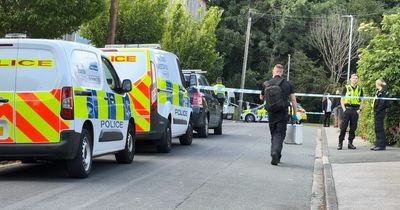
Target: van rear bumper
{"type": "Point", "coordinates": [65, 149]}
{"type": "Point", "coordinates": [158, 124]}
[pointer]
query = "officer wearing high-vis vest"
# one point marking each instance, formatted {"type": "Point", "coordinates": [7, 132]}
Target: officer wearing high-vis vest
{"type": "Point", "coordinates": [220, 93]}
{"type": "Point", "coordinates": [351, 105]}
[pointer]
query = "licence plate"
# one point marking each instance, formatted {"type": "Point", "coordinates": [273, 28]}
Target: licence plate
{"type": "Point", "coordinates": [1, 130]}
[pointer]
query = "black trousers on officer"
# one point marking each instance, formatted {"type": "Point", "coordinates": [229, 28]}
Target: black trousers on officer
{"type": "Point", "coordinates": [379, 129]}
{"type": "Point", "coordinates": [278, 134]}
{"type": "Point", "coordinates": [349, 116]}
{"type": "Point", "coordinates": [327, 119]}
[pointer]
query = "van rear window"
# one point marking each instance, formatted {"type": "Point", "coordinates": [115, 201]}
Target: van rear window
{"type": "Point", "coordinates": [36, 70]}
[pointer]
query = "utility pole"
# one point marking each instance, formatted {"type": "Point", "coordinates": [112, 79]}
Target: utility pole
{"type": "Point", "coordinates": [350, 40]}
{"type": "Point", "coordinates": [246, 51]}
{"type": "Point", "coordinates": [112, 25]}
{"type": "Point", "coordinates": [288, 68]}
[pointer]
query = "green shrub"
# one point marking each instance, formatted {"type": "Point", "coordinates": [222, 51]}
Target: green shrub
{"type": "Point", "coordinates": [381, 59]}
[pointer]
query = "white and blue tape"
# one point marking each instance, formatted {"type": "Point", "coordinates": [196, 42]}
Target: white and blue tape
{"type": "Point", "coordinates": [235, 90]}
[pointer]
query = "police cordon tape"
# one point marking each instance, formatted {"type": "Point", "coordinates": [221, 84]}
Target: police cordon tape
{"type": "Point", "coordinates": [235, 90]}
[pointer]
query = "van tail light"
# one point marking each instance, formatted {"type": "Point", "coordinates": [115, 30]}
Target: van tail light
{"type": "Point", "coordinates": [197, 100]}
{"type": "Point", "coordinates": [153, 87]}
{"type": "Point", "coordinates": [67, 103]}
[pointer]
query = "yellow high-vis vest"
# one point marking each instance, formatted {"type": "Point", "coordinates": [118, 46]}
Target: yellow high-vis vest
{"type": "Point", "coordinates": [350, 91]}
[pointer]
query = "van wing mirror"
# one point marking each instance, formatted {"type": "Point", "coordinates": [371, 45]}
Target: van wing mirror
{"type": "Point", "coordinates": [126, 85]}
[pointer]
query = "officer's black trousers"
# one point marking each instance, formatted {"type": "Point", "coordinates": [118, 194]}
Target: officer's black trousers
{"type": "Point", "coordinates": [349, 116]}
{"type": "Point", "coordinates": [221, 101]}
{"type": "Point", "coordinates": [278, 134]}
{"type": "Point", "coordinates": [379, 129]}
{"type": "Point", "coordinates": [327, 119]}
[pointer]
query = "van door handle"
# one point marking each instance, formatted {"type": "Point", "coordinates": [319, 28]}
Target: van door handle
{"type": "Point", "coordinates": [4, 100]}
{"type": "Point", "coordinates": [83, 93]}
{"type": "Point", "coordinates": [106, 98]}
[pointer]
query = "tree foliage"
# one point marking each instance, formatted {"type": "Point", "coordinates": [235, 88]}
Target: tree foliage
{"type": "Point", "coordinates": [193, 41]}
{"type": "Point", "coordinates": [139, 21]}
{"type": "Point", "coordinates": [46, 18]}
{"type": "Point", "coordinates": [381, 59]}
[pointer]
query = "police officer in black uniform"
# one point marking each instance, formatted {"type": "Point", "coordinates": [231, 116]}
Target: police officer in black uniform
{"type": "Point", "coordinates": [351, 105]}
{"type": "Point", "coordinates": [278, 120]}
{"type": "Point", "coordinates": [379, 114]}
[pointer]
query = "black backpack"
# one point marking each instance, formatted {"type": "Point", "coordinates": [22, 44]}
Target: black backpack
{"type": "Point", "coordinates": [273, 96]}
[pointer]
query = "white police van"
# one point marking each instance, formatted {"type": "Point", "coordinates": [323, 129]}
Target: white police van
{"type": "Point", "coordinates": [62, 100]}
{"type": "Point", "coordinates": [161, 104]}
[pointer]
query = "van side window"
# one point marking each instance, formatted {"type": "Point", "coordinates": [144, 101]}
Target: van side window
{"type": "Point", "coordinates": [110, 75]}
{"type": "Point", "coordinates": [85, 66]}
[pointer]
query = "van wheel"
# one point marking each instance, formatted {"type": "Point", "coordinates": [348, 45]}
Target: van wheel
{"type": "Point", "coordinates": [218, 130]}
{"type": "Point", "coordinates": [229, 116]}
{"type": "Point", "coordinates": [126, 156]}
{"type": "Point", "coordinates": [187, 138]}
{"type": "Point", "coordinates": [81, 165]}
{"type": "Point", "coordinates": [166, 140]}
{"type": "Point", "coordinates": [203, 131]}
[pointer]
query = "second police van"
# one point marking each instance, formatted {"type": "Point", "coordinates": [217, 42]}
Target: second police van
{"type": "Point", "coordinates": [162, 106]}
{"type": "Point", "coordinates": [62, 100]}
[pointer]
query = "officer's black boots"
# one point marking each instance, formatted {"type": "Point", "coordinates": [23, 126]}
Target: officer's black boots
{"type": "Point", "coordinates": [340, 146]}
{"type": "Point", "coordinates": [350, 145]}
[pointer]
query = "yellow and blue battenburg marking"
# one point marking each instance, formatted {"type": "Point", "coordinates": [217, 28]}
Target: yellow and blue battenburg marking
{"type": "Point", "coordinates": [93, 108]}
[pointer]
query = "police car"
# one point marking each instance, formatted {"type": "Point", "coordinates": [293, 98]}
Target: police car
{"type": "Point", "coordinates": [62, 100]}
{"type": "Point", "coordinates": [256, 114]}
{"type": "Point", "coordinates": [161, 103]}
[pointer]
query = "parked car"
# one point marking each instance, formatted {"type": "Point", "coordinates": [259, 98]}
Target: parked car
{"type": "Point", "coordinates": [259, 114]}
{"type": "Point", "coordinates": [207, 112]}
{"type": "Point", "coordinates": [256, 114]}
{"type": "Point", "coordinates": [229, 106]}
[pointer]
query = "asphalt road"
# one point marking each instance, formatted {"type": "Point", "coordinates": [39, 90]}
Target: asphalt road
{"type": "Point", "coordinates": [231, 171]}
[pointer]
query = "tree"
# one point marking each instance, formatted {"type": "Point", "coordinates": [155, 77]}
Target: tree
{"type": "Point", "coordinates": [193, 41]}
{"type": "Point", "coordinates": [331, 37]}
{"type": "Point", "coordinates": [112, 24]}
{"type": "Point", "coordinates": [139, 21]}
{"type": "Point", "coordinates": [46, 18]}
{"type": "Point", "coordinates": [381, 59]}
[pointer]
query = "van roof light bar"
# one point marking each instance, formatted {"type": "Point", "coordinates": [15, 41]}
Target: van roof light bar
{"type": "Point", "coordinates": [15, 36]}
{"type": "Point", "coordinates": [198, 71]}
{"type": "Point", "coordinates": [153, 46]}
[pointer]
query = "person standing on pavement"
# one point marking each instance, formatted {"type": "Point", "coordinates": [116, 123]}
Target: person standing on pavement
{"type": "Point", "coordinates": [327, 109]}
{"type": "Point", "coordinates": [379, 114]}
{"type": "Point", "coordinates": [220, 93]}
{"type": "Point", "coordinates": [351, 104]}
{"type": "Point", "coordinates": [337, 110]}
{"type": "Point", "coordinates": [278, 119]}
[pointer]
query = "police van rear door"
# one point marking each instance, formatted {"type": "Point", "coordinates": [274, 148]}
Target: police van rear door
{"type": "Point", "coordinates": [38, 93]}
{"type": "Point", "coordinates": [8, 71]}
{"type": "Point", "coordinates": [134, 64]}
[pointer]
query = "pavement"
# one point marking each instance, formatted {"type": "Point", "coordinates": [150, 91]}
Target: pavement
{"type": "Point", "coordinates": [361, 178]}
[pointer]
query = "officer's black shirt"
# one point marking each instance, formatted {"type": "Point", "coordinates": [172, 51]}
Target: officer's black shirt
{"type": "Point", "coordinates": [356, 106]}
{"type": "Point", "coordinates": [287, 89]}
{"type": "Point", "coordinates": [380, 104]}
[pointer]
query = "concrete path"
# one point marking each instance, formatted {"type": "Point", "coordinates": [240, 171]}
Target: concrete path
{"type": "Point", "coordinates": [364, 179]}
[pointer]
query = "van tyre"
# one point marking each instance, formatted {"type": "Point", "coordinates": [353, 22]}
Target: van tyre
{"type": "Point", "coordinates": [187, 138]}
{"type": "Point", "coordinates": [166, 140]}
{"type": "Point", "coordinates": [203, 131]}
{"type": "Point", "coordinates": [81, 165]}
{"type": "Point", "coordinates": [126, 156]}
{"type": "Point", "coordinates": [218, 130]}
